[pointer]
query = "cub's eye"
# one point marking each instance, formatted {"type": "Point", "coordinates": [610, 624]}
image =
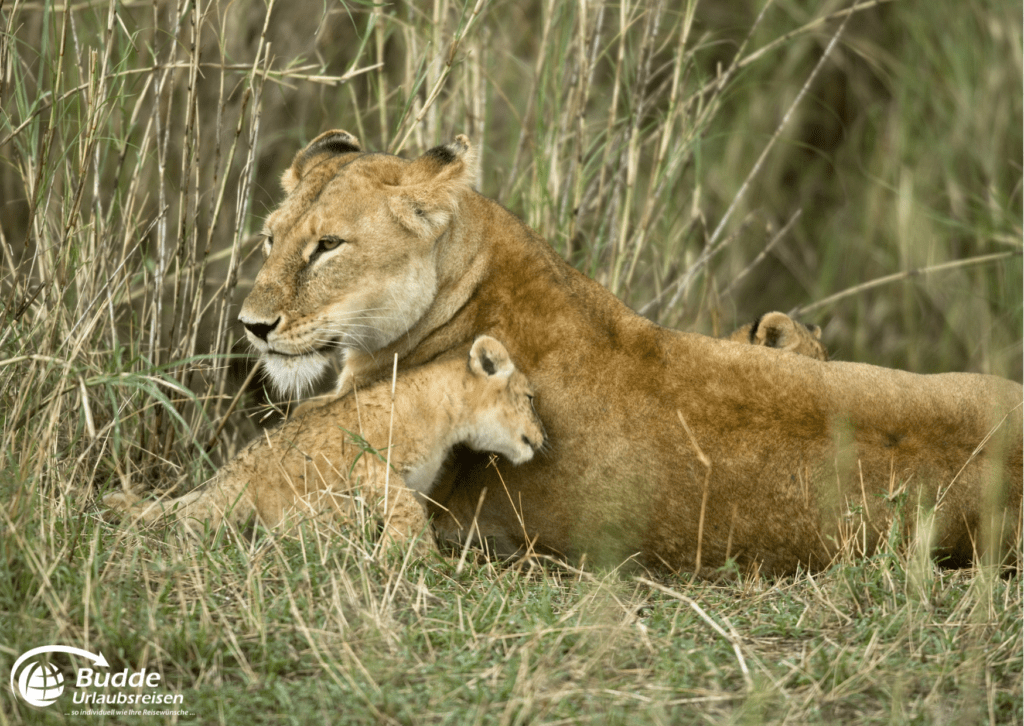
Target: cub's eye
{"type": "Point", "coordinates": [268, 243]}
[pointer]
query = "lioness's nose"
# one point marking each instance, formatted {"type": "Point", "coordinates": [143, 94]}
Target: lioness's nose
{"type": "Point", "coordinates": [260, 330]}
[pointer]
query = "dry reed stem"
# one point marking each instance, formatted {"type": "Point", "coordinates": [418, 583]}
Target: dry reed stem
{"type": "Point", "coordinates": [473, 527]}
{"type": "Point", "coordinates": [731, 636]}
{"type": "Point", "coordinates": [806, 28]}
{"type": "Point", "coordinates": [585, 62]}
{"type": "Point", "coordinates": [388, 513]}
{"type": "Point", "coordinates": [538, 66]}
{"type": "Point", "coordinates": [763, 253]}
{"type": "Point", "coordinates": [668, 132]}
{"type": "Point", "coordinates": [632, 152]}
{"type": "Point", "coordinates": [435, 90]}
{"type": "Point", "coordinates": [704, 496]}
{"type": "Point", "coordinates": [906, 274]}
{"type": "Point", "coordinates": [613, 106]}
{"type": "Point", "coordinates": [712, 246]}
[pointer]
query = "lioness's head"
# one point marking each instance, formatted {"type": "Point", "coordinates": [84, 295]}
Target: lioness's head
{"type": "Point", "coordinates": [349, 254]}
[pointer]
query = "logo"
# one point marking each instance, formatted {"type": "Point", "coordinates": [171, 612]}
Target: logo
{"type": "Point", "coordinates": [40, 684]}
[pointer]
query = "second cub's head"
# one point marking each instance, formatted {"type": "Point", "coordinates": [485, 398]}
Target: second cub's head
{"type": "Point", "coordinates": [778, 330]}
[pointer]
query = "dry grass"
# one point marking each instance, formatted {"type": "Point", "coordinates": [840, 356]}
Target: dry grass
{"type": "Point", "coordinates": [703, 161]}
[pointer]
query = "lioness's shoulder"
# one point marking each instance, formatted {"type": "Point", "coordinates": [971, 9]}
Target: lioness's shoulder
{"type": "Point", "coordinates": [778, 330]}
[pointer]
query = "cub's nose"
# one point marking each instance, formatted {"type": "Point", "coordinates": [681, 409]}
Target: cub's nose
{"type": "Point", "coordinates": [260, 330]}
{"type": "Point", "coordinates": [535, 445]}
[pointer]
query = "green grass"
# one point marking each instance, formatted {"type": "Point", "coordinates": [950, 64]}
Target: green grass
{"type": "Point", "coordinates": [139, 153]}
{"type": "Point", "coordinates": [309, 628]}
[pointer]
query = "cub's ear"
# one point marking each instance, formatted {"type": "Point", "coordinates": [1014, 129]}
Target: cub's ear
{"type": "Point", "coordinates": [774, 330]}
{"type": "Point", "coordinates": [329, 143]}
{"type": "Point", "coordinates": [489, 359]}
{"type": "Point", "coordinates": [429, 188]}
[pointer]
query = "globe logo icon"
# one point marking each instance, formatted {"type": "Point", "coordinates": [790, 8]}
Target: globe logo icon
{"type": "Point", "coordinates": [41, 684]}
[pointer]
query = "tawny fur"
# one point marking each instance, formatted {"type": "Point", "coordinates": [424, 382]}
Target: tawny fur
{"type": "Point", "coordinates": [778, 330]}
{"type": "Point", "coordinates": [303, 468]}
{"type": "Point", "coordinates": [801, 454]}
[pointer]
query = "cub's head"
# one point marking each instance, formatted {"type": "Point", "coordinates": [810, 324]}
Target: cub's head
{"type": "Point", "coordinates": [778, 330]}
{"type": "Point", "coordinates": [499, 401]}
{"type": "Point", "coordinates": [349, 256]}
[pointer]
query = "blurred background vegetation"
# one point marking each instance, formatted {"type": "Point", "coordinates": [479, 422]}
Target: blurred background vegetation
{"type": "Point", "coordinates": [707, 162]}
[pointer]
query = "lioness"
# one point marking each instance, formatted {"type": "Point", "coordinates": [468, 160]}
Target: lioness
{"type": "Point", "coordinates": [778, 330]}
{"type": "Point", "coordinates": [304, 467]}
{"type": "Point", "coordinates": [673, 448]}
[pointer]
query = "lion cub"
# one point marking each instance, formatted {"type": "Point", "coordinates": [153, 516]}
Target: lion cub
{"type": "Point", "coordinates": [316, 462]}
{"type": "Point", "coordinates": [778, 330]}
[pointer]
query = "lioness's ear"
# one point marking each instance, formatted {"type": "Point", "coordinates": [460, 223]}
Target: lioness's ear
{"type": "Point", "coordinates": [328, 143]}
{"type": "Point", "coordinates": [446, 164]}
{"type": "Point", "coordinates": [430, 186]}
{"type": "Point", "coordinates": [488, 358]}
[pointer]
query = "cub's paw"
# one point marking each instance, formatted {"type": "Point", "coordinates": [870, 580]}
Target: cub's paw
{"type": "Point", "coordinates": [121, 501]}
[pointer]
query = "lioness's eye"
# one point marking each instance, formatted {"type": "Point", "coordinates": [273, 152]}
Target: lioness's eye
{"type": "Point", "coordinates": [329, 243]}
{"type": "Point", "coordinates": [326, 244]}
